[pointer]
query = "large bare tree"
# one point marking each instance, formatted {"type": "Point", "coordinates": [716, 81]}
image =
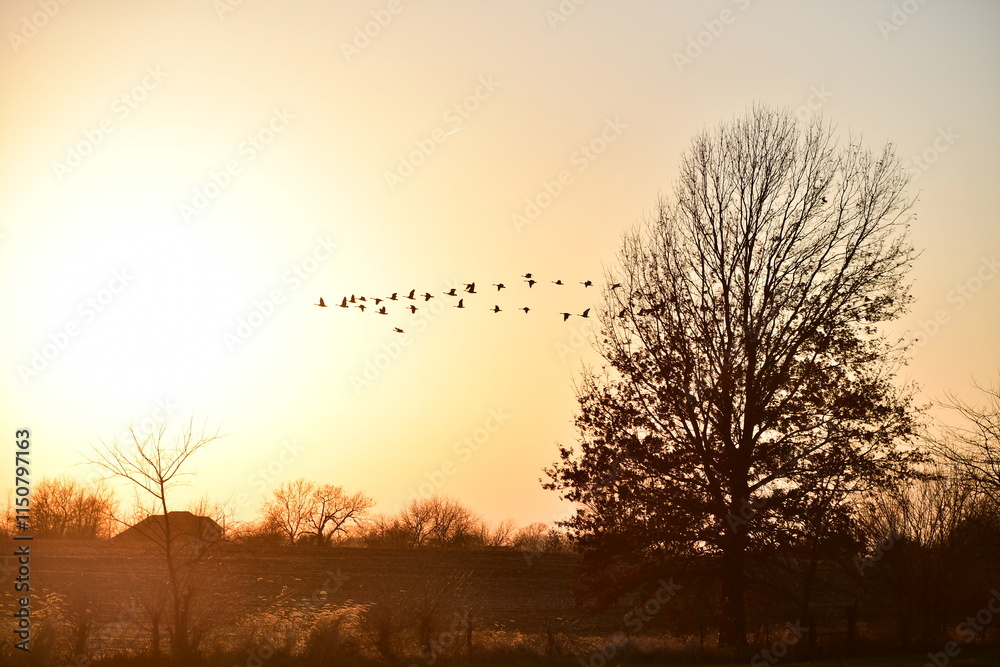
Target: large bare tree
{"type": "Point", "coordinates": [155, 463]}
{"type": "Point", "coordinates": [745, 367]}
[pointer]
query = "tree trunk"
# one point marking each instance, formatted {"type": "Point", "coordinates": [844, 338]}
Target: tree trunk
{"type": "Point", "coordinates": [734, 593]}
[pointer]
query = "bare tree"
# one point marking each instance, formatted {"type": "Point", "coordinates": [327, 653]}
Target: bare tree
{"type": "Point", "coordinates": [155, 463]}
{"type": "Point", "coordinates": [973, 447]}
{"type": "Point", "coordinates": [335, 510]}
{"type": "Point", "coordinates": [744, 360]}
{"type": "Point", "coordinates": [62, 507]}
{"type": "Point", "coordinates": [302, 508]}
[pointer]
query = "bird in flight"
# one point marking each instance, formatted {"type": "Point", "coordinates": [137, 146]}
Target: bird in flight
{"type": "Point", "coordinates": [410, 295]}
{"type": "Point", "coordinates": [525, 309]}
{"type": "Point", "coordinates": [450, 292]}
{"type": "Point", "coordinates": [557, 282]}
{"type": "Point", "coordinates": [361, 298]}
{"type": "Point", "coordinates": [343, 304]}
{"type": "Point", "coordinates": [427, 296]}
{"type": "Point", "coordinates": [499, 286]}
{"type": "Point", "coordinates": [412, 308]}
{"type": "Point", "coordinates": [321, 304]}
{"type": "Point", "coordinates": [586, 283]}
{"type": "Point", "coordinates": [616, 285]}
{"type": "Point", "coordinates": [393, 297]}
{"type": "Point", "coordinates": [398, 330]}
{"type": "Point", "coordinates": [381, 311]}
{"type": "Point", "coordinates": [361, 306]}
{"type": "Point", "coordinates": [471, 288]}
{"type": "Point", "coordinates": [527, 275]}
{"type": "Point", "coordinates": [565, 316]}
{"type": "Point", "coordinates": [378, 301]}
{"type": "Point", "coordinates": [531, 283]}
{"type": "Point", "coordinates": [351, 299]}
{"type": "Point", "coordinates": [585, 313]}
{"type": "Point", "coordinates": [495, 309]}
{"type": "Point", "coordinates": [460, 304]}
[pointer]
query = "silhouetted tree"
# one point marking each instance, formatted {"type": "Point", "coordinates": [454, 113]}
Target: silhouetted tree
{"type": "Point", "coordinates": [973, 447]}
{"type": "Point", "coordinates": [62, 507]}
{"type": "Point", "coordinates": [155, 463]}
{"type": "Point", "coordinates": [302, 508]}
{"type": "Point", "coordinates": [745, 366]}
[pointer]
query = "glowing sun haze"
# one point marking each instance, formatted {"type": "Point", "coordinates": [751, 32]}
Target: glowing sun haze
{"type": "Point", "coordinates": [182, 182]}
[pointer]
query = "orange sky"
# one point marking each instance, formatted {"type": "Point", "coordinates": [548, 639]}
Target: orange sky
{"type": "Point", "coordinates": [182, 181]}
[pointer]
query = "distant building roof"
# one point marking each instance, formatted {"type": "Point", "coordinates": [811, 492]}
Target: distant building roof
{"type": "Point", "coordinates": [184, 527]}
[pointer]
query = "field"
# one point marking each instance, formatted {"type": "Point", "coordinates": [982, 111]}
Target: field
{"type": "Point", "coordinates": [519, 605]}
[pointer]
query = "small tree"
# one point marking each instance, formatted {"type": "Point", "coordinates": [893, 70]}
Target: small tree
{"type": "Point", "coordinates": [155, 463]}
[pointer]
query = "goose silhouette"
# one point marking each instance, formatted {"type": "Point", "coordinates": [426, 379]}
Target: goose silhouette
{"type": "Point", "coordinates": [460, 304]}
{"type": "Point", "coordinates": [393, 297]}
{"type": "Point", "coordinates": [531, 283]}
{"type": "Point", "coordinates": [398, 330]}
{"type": "Point", "coordinates": [557, 282]}
{"type": "Point", "coordinates": [499, 286]}
{"type": "Point", "coordinates": [343, 304]}
{"type": "Point", "coordinates": [616, 285]}
{"type": "Point", "coordinates": [527, 275]}
{"type": "Point", "coordinates": [495, 309]}
{"type": "Point", "coordinates": [585, 313]}
{"type": "Point", "coordinates": [450, 292]}
{"type": "Point", "coordinates": [381, 311]}
{"type": "Point", "coordinates": [351, 300]}
{"type": "Point", "coordinates": [586, 283]}
{"type": "Point", "coordinates": [427, 296]}
{"type": "Point", "coordinates": [565, 316]}
{"type": "Point", "coordinates": [471, 288]}
{"type": "Point", "coordinates": [321, 304]}
{"type": "Point", "coordinates": [525, 309]}
{"type": "Point", "coordinates": [361, 306]}
{"type": "Point", "coordinates": [412, 308]}
{"type": "Point", "coordinates": [410, 295]}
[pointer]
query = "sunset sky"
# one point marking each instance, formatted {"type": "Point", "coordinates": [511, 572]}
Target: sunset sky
{"type": "Point", "coordinates": [182, 181]}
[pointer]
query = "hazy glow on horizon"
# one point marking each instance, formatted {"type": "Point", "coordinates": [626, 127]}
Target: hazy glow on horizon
{"type": "Point", "coordinates": [288, 137]}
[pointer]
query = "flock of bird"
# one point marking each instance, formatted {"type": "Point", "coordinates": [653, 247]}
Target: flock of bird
{"type": "Point", "coordinates": [410, 299]}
